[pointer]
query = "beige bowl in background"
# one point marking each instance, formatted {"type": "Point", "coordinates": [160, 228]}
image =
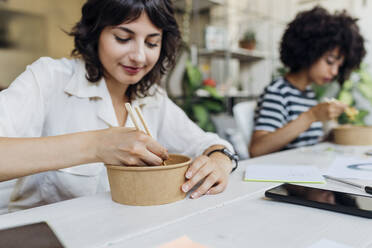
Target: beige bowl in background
{"type": "Point", "coordinates": [149, 185]}
{"type": "Point", "coordinates": [352, 135]}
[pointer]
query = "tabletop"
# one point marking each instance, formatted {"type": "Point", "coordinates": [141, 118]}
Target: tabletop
{"type": "Point", "coordinates": [239, 217]}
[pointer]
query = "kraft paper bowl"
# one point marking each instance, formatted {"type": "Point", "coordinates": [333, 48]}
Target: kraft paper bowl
{"type": "Point", "coordinates": [149, 185]}
{"type": "Point", "coordinates": [352, 135]}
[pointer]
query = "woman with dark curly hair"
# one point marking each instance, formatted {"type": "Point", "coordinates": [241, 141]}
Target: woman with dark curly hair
{"type": "Point", "coordinates": [317, 47]}
{"type": "Point", "coordinates": [68, 112]}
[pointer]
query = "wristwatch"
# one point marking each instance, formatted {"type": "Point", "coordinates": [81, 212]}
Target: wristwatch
{"type": "Point", "coordinates": [233, 157]}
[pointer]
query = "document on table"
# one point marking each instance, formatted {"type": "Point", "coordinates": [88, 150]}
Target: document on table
{"type": "Point", "coordinates": [351, 167]}
{"type": "Point", "coordinates": [283, 173]}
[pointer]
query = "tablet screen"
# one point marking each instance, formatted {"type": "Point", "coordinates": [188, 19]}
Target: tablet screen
{"type": "Point", "coordinates": [31, 236]}
{"type": "Point", "coordinates": [322, 198]}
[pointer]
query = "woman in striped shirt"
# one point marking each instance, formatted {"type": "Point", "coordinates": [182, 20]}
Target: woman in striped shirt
{"type": "Point", "coordinates": [317, 47]}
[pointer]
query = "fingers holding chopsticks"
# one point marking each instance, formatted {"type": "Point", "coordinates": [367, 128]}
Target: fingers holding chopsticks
{"type": "Point", "coordinates": [130, 146]}
{"type": "Point", "coordinates": [155, 148]}
{"type": "Point", "coordinates": [152, 146]}
{"type": "Point", "coordinates": [127, 146]}
{"type": "Point", "coordinates": [144, 150]}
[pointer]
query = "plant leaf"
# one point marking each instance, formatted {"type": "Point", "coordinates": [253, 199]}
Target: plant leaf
{"type": "Point", "coordinates": [366, 90]}
{"type": "Point", "coordinates": [194, 76]}
{"type": "Point", "coordinates": [214, 106]}
{"type": "Point", "coordinates": [201, 115]}
{"type": "Point", "coordinates": [347, 85]}
{"type": "Point", "coordinates": [345, 97]}
{"type": "Point", "coordinates": [213, 91]}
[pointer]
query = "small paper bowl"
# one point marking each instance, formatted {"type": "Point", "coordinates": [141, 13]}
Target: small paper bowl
{"type": "Point", "coordinates": [149, 185]}
{"type": "Point", "coordinates": [352, 135]}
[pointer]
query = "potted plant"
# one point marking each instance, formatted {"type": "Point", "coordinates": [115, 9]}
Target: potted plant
{"type": "Point", "coordinates": [200, 99]}
{"type": "Point", "coordinates": [248, 40]}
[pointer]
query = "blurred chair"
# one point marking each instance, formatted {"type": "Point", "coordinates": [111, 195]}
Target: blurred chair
{"type": "Point", "coordinates": [228, 130]}
{"type": "Point", "coordinates": [244, 114]}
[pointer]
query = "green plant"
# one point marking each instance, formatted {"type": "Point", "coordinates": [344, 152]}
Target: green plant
{"type": "Point", "coordinates": [360, 81]}
{"type": "Point", "coordinates": [200, 108]}
{"type": "Point", "coordinates": [279, 72]}
{"type": "Point", "coordinates": [249, 35]}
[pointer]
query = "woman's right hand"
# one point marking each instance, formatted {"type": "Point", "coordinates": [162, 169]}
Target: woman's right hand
{"type": "Point", "coordinates": [327, 110]}
{"type": "Point", "coordinates": [127, 146]}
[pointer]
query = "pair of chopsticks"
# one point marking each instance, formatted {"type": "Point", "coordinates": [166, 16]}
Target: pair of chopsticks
{"type": "Point", "coordinates": [134, 120]}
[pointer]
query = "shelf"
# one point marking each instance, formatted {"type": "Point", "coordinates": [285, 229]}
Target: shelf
{"type": "Point", "coordinates": [241, 54]}
{"type": "Point", "coordinates": [198, 5]}
{"type": "Point", "coordinates": [245, 95]}
{"type": "Point", "coordinates": [240, 94]}
{"type": "Point", "coordinates": [309, 1]}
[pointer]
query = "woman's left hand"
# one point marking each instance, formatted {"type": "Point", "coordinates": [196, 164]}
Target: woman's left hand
{"type": "Point", "coordinates": [213, 171]}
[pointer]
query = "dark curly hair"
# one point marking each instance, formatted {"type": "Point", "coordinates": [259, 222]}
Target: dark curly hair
{"type": "Point", "coordinates": [314, 32]}
{"type": "Point", "coordinates": [97, 14]}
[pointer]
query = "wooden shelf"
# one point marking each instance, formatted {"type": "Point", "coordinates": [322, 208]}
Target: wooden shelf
{"type": "Point", "coordinates": [198, 5]}
{"type": "Point", "coordinates": [243, 55]}
{"type": "Point", "coordinates": [240, 94]}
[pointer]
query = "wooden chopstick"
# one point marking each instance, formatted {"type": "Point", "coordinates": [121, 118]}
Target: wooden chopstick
{"type": "Point", "coordinates": [131, 114]}
{"type": "Point", "coordinates": [139, 113]}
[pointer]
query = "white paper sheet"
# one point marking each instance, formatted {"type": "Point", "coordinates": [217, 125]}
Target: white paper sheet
{"type": "Point", "coordinates": [351, 167]}
{"type": "Point", "coordinates": [283, 173]}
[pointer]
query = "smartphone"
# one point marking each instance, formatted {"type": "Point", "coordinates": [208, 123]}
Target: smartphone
{"type": "Point", "coordinates": [34, 235]}
{"type": "Point", "coordinates": [342, 202]}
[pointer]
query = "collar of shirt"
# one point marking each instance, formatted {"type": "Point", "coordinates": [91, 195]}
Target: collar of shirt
{"type": "Point", "coordinates": [79, 86]}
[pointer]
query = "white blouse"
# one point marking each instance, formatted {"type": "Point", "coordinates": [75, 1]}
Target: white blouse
{"type": "Point", "coordinates": [53, 97]}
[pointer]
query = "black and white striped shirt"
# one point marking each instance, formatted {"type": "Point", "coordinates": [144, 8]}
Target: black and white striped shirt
{"type": "Point", "coordinates": [281, 103]}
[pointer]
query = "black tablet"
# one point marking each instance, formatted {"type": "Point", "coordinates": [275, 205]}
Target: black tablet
{"type": "Point", "coordinates": [342, 202]}
{"type": "Point", "coordinates": [34, 235]}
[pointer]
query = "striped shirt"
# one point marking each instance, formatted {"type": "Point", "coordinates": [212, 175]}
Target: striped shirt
{"type": "Point", "coordinates": [281, 103]}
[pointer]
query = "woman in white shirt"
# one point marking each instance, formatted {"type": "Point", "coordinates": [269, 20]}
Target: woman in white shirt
{"type": "Point", "coordinates": [61, 120]}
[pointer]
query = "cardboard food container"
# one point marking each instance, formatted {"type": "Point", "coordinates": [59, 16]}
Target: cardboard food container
{"type": "Point", "coordinates": [352, 135]}
{"type": "Point", "coordinates": [149, 185]}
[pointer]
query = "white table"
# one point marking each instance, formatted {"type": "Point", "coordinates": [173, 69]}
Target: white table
{"type": "Point", "coordinates": [239, 217]}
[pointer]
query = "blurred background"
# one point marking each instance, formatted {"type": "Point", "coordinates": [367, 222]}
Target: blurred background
{"type": "Point", "coordinates": [230, 53]}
